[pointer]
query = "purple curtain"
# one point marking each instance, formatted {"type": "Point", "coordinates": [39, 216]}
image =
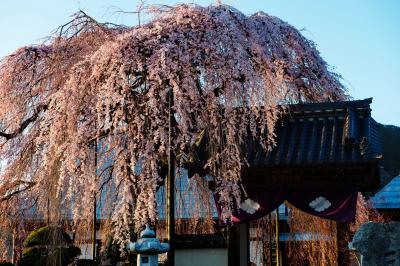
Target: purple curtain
{"type": "Point", "coordinates": [337, 204]}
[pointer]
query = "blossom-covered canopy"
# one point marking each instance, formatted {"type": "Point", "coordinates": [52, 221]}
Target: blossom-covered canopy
{"type": "Point", "coordinates": [106, 86]}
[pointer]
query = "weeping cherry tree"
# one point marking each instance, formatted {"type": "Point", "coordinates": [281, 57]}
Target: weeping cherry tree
{"type": "Point", "coordinates": [97, 84]}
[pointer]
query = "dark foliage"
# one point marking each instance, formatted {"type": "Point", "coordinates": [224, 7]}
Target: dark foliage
{"type": "Point", "coordinates": [48, 246]}
{"type": "Point", "coordinates": [6, 263]}
{"type": "Point", "coordinates": [111, 250]}
{"type": "Point", "coordinates": [47, 236]}
{"type": "Point", "coordinates": [390, 139]}
{"type": "Point", "coordinates": [84, 262]}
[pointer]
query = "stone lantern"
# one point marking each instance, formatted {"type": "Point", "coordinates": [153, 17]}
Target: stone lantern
{"type": "Point", "coordinates": [378, 243]}
{"type": "Point", "coordinates": [148, 247]}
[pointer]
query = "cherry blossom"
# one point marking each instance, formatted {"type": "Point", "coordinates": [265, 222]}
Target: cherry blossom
{"type": "Point", "coordinates": [88, 109]}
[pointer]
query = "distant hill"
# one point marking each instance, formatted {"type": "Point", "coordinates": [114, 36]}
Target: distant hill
{"type": "Point", "coordinates": [390, 141]}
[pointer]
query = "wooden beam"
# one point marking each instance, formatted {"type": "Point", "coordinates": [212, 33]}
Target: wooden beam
{"type": "Point", "coordinates": [343, 238]}
{"type": "Point", "coordinates": [233, 246]}
{"type": "Point", "coordinates": [363, 175]}
{"type": "Point", "coordinates": [277, 236]}
{"type": "Point", "coordinates": [244, 244]}
{"type": "Point", "coordinates": [94, 217]}
{"type": "Point", "coordinates": [170, 187]}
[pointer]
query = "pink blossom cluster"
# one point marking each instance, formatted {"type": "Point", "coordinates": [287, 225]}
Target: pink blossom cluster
{"type": "Point", "coordinates": [228, 74]}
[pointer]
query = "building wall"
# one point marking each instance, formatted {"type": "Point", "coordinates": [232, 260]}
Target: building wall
{"type": "Point", "coordinates": [86, 252]}
{"type": "Point", "coordinates": [202, 257]}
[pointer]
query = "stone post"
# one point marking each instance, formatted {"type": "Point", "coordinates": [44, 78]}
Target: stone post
{"type": "Point", "coordinates": [378, 243]}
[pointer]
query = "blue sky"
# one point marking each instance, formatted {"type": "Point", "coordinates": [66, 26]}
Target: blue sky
{"type": "Point", "coordinates": [360, 38]}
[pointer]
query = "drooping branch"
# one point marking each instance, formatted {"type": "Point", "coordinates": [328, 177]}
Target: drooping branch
{"type": "Point", "coordinates": [25, 123]}
{"type": "Point", "coordinates": [16, 189]}
{"type": "Point", "coordinates": [100, 83]}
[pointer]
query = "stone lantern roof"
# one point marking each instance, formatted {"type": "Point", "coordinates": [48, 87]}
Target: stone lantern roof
{"type": "Point", "coordinates": [148, 243]}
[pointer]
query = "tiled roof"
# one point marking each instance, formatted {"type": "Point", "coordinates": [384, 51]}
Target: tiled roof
{"type": "Point", "coordinates": [389, 196]}
{"type": "Point", "coordinates": [311, 134]}
{"type": "Point", "coordinates": [320, 133]}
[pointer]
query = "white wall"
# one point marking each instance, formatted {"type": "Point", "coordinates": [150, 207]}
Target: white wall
{"type": "Point", "coordinates": [201, 257]}
{"type": "Point", "coordinates": [86, 252]}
